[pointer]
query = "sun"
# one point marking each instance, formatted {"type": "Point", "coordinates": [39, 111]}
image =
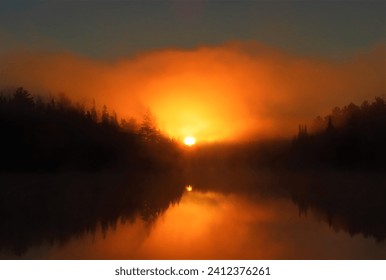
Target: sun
{"type": "Point", "coordinates": [189, 141]}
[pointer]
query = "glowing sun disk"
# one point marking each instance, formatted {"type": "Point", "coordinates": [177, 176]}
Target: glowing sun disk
{"type": "Point", "coordinates": [189, 141]}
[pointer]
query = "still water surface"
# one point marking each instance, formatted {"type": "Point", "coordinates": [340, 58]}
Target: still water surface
{"type": "Point", "coordinates": [213, 225]}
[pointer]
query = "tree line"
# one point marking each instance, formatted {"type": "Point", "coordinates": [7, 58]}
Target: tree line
{"type": "Point", "coordinates": [352, 137]}
{"type": "Point", "coordinates": [66, 170]}
{"type": "Point", "coordinates": [336, 168]}
{"type": "Point", "coordinates": [57, 135]}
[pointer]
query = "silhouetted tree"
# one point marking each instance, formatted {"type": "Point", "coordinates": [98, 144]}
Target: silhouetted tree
{"type": "Point", "coordinates": [93, 113]}
{"type": "Point", "coordinates": [148, 129]}
{"type": "Point", "coordinates": [105, 116]}
{"type": "Point", "coordinates": [131, 125]}
{"type": "Point", "coordinates": [330, 126]}
{"type": "Point", "coordinates": [317, 125]}
{"type": "Point", "coordinates": [22, 98]}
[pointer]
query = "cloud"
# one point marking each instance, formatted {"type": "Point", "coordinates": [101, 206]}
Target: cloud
{"type": "Point", "coordinates": [231, 91]}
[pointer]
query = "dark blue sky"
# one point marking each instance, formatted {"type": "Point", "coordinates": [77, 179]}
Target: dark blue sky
{"type": "Point", "coordinates": [108, 29]}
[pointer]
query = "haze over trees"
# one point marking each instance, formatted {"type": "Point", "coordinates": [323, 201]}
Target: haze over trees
{"type": "Point", "coordinates": [57, 135]}
{"type": "Point", "coordinates": [66, 169]}
{"type": "Point", "coordinates": [348, 138]}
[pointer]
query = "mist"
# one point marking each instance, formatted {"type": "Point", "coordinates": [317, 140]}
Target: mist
{"type": "Point", "coordinates": [232, 91]}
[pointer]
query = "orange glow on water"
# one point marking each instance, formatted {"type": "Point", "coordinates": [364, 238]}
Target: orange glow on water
{"type": "Point", "coordinates": [214, 226]}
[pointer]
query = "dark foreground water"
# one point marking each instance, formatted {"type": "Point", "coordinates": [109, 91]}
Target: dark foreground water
{"type": "Point", "coordinates": [205, 224]}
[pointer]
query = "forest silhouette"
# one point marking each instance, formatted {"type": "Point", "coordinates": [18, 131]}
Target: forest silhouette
{"type": "Point", "coordinates": [65, 169]}
{"type": "Point", "coordinates": [338, 168]}
{"type": "Point", "coordinates": [54, 135]}
{"type": "Point", "coordinates": [352, 137]}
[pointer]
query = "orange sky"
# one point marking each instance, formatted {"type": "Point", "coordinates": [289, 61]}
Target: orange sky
{"type": "Point", "coordinates": [226, 92]}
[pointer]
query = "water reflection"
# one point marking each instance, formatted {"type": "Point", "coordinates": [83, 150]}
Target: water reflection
{"type": "Point", "coordinates": [240, 215]}
{"type": "Point", "coordinates": [40, 208]}
{"type": "Point", "coordinates": [348, 201]}
{"type": "Point", "coordinates": [209, 225]}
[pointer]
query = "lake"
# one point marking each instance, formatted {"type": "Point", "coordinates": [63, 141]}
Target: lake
{"type": "Point", "coordinates": [210, 224]}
